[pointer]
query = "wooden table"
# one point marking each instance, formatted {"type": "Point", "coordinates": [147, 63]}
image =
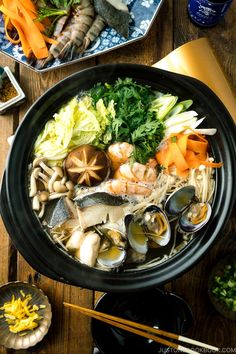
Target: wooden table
{"type": "Point", "coordinates": [70, 332]}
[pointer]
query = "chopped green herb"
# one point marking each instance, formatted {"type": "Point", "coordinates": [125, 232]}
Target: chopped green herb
{"type": "Point", "coordinates": [224, 287]}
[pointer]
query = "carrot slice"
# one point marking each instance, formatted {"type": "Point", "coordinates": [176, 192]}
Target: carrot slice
{"type": "Point", "coordinates": [184, 151]}
{"type": "Point", "coordinates": [22, 15]}
{"type": "Point", "coordinates": [192, 160]}
{"type": "Point", "coordinates": [182, 143]}
{"type": "Point", "coordinates": [196, 134]}
{"type": "Point", "coordinates": [163, 156]}
{"type": "Point", "coordinates": [50, 40]}
{"type": "Point", "coordinates": [211, 164]}
{"type": "Point", "coordinates": [24, 43]}
{"type": "Point", "coordinates": [33, 28]}
{"type": "Point", "coordinates": [29, 5]}
{"type": "Point", "coordinates": [6, 26]}
{"type": "Point", "coordinates": [199, 147]}
{"type": "Point", "coordinates": [178, 157]}
{"type": "Point", "coordinates": [183, 174]}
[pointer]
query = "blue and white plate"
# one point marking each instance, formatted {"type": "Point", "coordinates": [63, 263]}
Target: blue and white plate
{"type": "Point", "coordinates": [142, 13]}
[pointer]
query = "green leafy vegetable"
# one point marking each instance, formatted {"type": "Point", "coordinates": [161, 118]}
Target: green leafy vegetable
{"type": "Point", "coordinates": [224, 287]}
{"type": "Point", "coordinates": [51, 12]}
{"type": "Point", "coordinates": [122, 112]}
{"type": "Point", "coordinates": [55, 8]}
{"type": "Point", "coordinates": [77, 123]}
{"type": "Point", "coordinates": [64, 4]}
{"type": "Point", "coordinates": [163, 104]}
{"type": "Point", "coordinates": [135, 121]}
{"type": "Point", "coordinates": [179, 107]}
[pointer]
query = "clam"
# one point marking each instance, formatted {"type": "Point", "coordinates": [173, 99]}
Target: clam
{"type": "Point", "coordinates": [136, 234]}
{"type": "Point", "coordinates": [179, 200]}
{"type": "Point", "coordinates": [111, 258]}
{"type": "Point", "coordinates": [195, 217]}
{"type": "Point", "coordinates": [113, 235]}
{"type": "Point", "coordinates": [105, 245]}
{"type": "Point", "coordinates": [157, 226]}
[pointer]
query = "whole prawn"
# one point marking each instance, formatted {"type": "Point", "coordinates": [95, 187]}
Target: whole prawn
{"type": "Point", "coordinates": [72, 34]}
{"type": "Point", "coordinates": [136, 172]}
{"type": "Point", "coordinates": [122, 187]}
{"type": "Point", "coordinates": [119, 153]}
{"type": "Point", "coordinates": [94, 31]}
{"type": "Point", "coordinates": [84, 17]}
{"type": "Point", "coordinates": [62, 37]}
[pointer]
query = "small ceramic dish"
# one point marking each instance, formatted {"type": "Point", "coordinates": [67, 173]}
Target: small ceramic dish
{"type": "Point", "coordinates": [18, 99]}
{"type": "Point", "coordinates": [32, 337]}
{"type": "Point", "coordinates": [154, 308]}
{"type": "Point", "coordinates": [218, 270]}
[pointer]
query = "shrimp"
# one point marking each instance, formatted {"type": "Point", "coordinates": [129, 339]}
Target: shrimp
{"type": "Point", "coordinates": [59, 26]}
{"type": "Point", "coordinates": [119, 153]}
{"type": "Point", "coordinates": [72, 34]}
{"type": "Point", "coordinates": [94, 31]}
{"type": "Point", "coordinates": [62, 38]}
{"type": "Point", "coordinates": [84, 16]}
{"type": "Point", "coordinates": [136, 172]}
{"type": "Point", "coordinates": [121, 187]}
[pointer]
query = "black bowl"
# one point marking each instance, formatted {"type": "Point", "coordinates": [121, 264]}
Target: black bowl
{"type": "Point", "coordinates": [24, 227]}
{"type": "Point", "coordinates": [218, 270]}
{"type": "Point", "coordinates": [153, 308]}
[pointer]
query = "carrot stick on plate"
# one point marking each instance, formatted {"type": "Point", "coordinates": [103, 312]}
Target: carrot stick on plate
{"type": "Point", "coordinates": [22, 15]}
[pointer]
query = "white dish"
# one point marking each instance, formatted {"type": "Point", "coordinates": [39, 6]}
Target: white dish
{"type": "Point", "coordinates": [4, 106]}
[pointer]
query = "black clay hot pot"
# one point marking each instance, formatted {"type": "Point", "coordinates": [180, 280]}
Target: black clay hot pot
{"type": "Point", "coordinates": [25, 229]}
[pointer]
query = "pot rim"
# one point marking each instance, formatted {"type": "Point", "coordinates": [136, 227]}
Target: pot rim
{"type": "Point", "coordinates": [53, 260]}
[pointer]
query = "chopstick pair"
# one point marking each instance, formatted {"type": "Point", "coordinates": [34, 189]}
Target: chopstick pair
{"type": "Point", "coordinates": [142, 330]}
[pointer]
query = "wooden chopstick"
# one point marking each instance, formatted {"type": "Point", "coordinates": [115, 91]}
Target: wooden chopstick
{"type": "Point", "coordinates": [133, 330]}
{"type": "Point", "coordinates": [138, 327]}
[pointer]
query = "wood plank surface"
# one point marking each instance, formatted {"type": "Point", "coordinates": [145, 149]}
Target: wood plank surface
{"type": "Point", "coordinates": [70, 332]}
{"type": "Point", "coordinates": [209, 326]}
{"type": "Point", "coordinates": [8, 122]}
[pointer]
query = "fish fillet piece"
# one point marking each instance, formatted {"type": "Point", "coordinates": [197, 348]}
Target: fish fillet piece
{"type": "Point", "coordinates": [99, 214]}
{"type": "Point", "coordinates": [115, 13]}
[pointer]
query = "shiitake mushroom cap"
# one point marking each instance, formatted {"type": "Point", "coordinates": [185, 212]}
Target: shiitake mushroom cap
{"type": "Point", "coordinates": [87, 165]}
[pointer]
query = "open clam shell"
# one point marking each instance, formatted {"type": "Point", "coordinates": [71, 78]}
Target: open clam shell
{"type": "Point", "coordinates": [179, 200]}
{"type": "Point", "coordinates": [195, 217]}
{"type": "Point", "coordinates": [157, 225]}
{"type": "Point", "coordinates": [111, 258]}
{"type": "Point", "coordinates": [114, 235]}
{"type": "Point", "coordinates": [136, 235]}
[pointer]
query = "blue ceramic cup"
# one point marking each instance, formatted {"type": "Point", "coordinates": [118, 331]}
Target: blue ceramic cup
{"type": "Point", "coordinates": [207, 13]}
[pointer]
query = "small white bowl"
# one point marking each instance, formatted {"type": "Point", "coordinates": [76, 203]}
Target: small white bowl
{"type": "Point", "coordinates": [4, 106]}
{"type": "Point", "coordinates": [15, 340]}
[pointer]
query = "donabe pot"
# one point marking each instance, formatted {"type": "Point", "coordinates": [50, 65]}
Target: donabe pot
{"type": "Point", "coordinates": [25, 229]}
